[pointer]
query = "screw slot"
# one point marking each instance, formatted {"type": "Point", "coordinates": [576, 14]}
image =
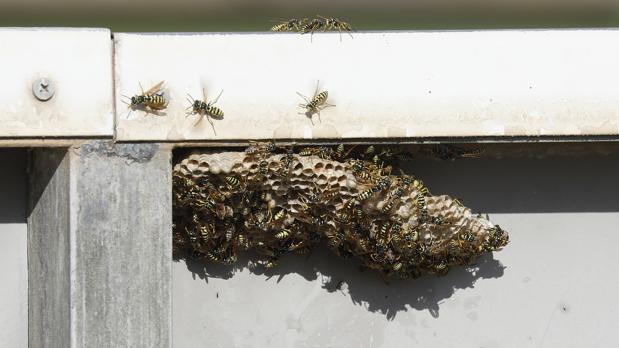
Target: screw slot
{"type": "Point", "coordinates": [43, 89]}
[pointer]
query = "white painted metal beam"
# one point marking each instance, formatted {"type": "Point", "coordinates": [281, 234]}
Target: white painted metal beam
{"type": "Point", "coordinates": [78, 65]}
{"type": "Point", "coordinates": [385, 84]}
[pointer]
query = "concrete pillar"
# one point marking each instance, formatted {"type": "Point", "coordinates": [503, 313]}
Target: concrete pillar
{"type": "Point", "coordinates": [99, 246]}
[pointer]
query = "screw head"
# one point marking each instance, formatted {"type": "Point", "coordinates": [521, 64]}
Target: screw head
{"type": "Point", "coordinates": [43, 89]}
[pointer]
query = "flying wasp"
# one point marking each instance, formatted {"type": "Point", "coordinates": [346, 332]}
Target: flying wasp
{"type": "Point", "coordinates": [316, 105]}
{"type": "Point", "coordinates": [151, 101]}
{"type": "Point", "coordinates": [204, 108]}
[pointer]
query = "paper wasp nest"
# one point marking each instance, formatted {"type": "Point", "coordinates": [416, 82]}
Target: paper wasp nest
{"type": "Point", "coordinates": [275, 202]}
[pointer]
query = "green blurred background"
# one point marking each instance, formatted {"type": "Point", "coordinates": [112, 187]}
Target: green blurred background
{"type": "Point", "coordinates": [244, 15]}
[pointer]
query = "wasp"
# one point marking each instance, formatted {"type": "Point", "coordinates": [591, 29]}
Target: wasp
{"type": "Point", "coordinates": [316, 105]}
{"type": "Point", "coordinates": [326, 153]}
{"type": "Point", "coordinates": [260, 148]}
{"type": "Point", "coordinates": [243, 242]}
{"type": "Point", "coordinates": [193, 238]}
{"type": "Point", "coordinates": [450, 152]}
{"type": "Point", "coordinates": [388, 206]}
{"type": "Point", "coordinates": [307, 151]}
{"type": "Point", "coordinates": [397, 266]}
{"type": "Point", "coordinates": [383, 229]}
{"type": "Point", "coordinates": [332, 23]}
{"type": "Point", "coordinates": [280, 215]}
{"type": "Point", "coordinates": [229, 233]}
{"type": "Point", "coordinates": [421, 201]}
{"type": "Point", "coordinates": [205, 232]}
{"type": "Point", "coordinates": [340, 151]}
{"type": "Point", "coordinates": [412, 235]}
{"type": "Point", "coordinates": [393, 197]}
{"type": "Point", "coordinates": [396, 227]}
{"type": "Point", "coordinates": [358, 170]}
{"type": "Point", "coordinates": [263, 167]}
{"type": "Point", "coordinates": [206, 203]}
{"type": "Point", "coordinates": [313, 25]}
{"type": "Point", "coordinates": [204, 108]}
{"type": "Point", "coordinates": [283, 234]}
{"type": "Point", "coordinates": [232, 182]}
{"type": "Point", "coordinates": [438, 220]}
{"type": "Point", "coordinates": [289, 25]}
{"type": "Point", "coordinates": [418, 185]}
{"type": "Point", "coordinates": [467, 237]}
{"type": "Point", "coordinates": [150, 101]}
{"type": "Point", "coordinates": [288, 159]}
{"type": "Point", "coordinates": [268, 264]}
{"type": "Point", "coordinates": [366, 194]}
{"type": "Point", "coordinates": [382, 184]}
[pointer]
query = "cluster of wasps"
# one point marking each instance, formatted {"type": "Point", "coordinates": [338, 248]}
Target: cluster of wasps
{"type": "Point", "coordinates": [277, 200]}
{"type": "Point", "coordinates": [319, 23]}
{"type": "Point", "coordinates": [155, 100]}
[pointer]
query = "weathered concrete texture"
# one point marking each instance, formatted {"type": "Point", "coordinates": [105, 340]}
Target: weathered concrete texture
{"type": "Point", "coordinates": [120, 217]}
{"type": "Point", "coordinates": [48, 250]}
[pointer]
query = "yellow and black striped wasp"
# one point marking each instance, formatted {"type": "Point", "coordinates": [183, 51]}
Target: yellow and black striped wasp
{"type": "Point", "coordinates": [204, 108]}
{"type": "Point", "coordinates": [152, 101]}
{"type": "Point", "coordinates": [289, 25]}
{"type": "Point", "coordinates": [332, 23]}
{"type": "Point", "coordinates": [324, 24]}
{"type": "Point", "coordinates": [316, 105]}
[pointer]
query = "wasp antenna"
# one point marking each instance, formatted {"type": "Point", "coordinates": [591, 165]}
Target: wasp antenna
{"type": "Point", "coordinates": [302, 96]}
{"type": "Point", "coordinates": [216, 99]}
{"type": "Point", "coordinates": [316, 91]}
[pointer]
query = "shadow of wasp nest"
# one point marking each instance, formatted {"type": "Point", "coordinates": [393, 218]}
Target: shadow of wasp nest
{"type": "Point", "coordinates": [275, 201]}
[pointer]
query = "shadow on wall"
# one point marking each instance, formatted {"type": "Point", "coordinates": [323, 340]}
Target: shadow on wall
{"type": "Point", "coordinates": [510, 185]}
{"type": "Point", "coordinates": [365, 288]}
{"type": "Point", "coordinates": [525, 185]}
{"type": "Point", "coordinates": [13, 202]}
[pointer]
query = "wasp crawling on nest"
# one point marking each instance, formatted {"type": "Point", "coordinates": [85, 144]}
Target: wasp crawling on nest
{"type": "Point", "coordinates": [274, 201]}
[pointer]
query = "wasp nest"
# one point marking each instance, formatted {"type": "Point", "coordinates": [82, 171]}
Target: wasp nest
{"type": "Point", "coordinates": [275, 201]}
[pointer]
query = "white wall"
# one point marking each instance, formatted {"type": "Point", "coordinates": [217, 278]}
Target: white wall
{"type": "Point", "coordinates": [13, 261]}
{"type": "Point", "coordinates": [553, 286]}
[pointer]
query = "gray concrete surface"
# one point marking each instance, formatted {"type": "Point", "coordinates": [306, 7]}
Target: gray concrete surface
{"type": "Point", "coordinates": [49, 265]}
{"type": "Point", "coordinates": [100, 246]}
{"type": "Point", "coordinates": [13, 259]}
{"type": "Point", "coordinates": [553, 286]}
